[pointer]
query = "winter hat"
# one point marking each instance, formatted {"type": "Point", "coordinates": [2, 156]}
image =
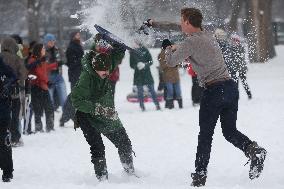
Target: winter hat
{"type": "Point", "coordinates": [48, 37]}
{"type": "Point", "coordinates": [220, 34]}
{"type": "Point", "coordinates": [166, 43]}
{"type": "Point", "coordinates": [17, 38]}
{"type": "Point", "coordinates": [101, 62]}
{"type": "Point", "coordinates": [72, 35]}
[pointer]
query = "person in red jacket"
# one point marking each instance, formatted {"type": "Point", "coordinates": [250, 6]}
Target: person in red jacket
{"type": "Point", "coordinates": [39, 91]}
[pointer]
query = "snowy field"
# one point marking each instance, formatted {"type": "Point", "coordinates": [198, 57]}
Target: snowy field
{"type": "Point", "coordinates": [164, 141]}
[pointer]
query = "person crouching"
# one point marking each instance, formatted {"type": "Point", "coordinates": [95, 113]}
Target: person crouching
{"type": "Point", "coordinates": [93, 100]}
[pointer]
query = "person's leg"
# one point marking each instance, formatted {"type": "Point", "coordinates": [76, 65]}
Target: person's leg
{"type": "Point", "coordinates": [6, 161]}
{"type": "Point", "coordinates": [210, 107]}
{"type": "Point", "coordinates": [37, 107]}
{"type": "Point", "coordinates": [51, 89]}
{"type": "Point", "coordinates": [68, 111]}
{"type": "Point", "coordinates": [177, 90]}
{"type": "Point", "coordinates": [15, 132]}
{"type": "Point", "coordinates": [122, 142]}
{"type": "Point", "coordinates": [140, 91]}
{"type": "Point", "coordinates": [154, 96]}
{"type": "Point", "coordinates": [244, 81]}
{"type": "Point", "coordinates": [170, 95]}
{"type": "Point", "coordinates": [228, 118]}
{"type": "Point", "coordinates": [49, 112]}
{"type": "Point", "coordinates": [97, 148]}
{"type": "Point", "coordinates": [61, 90]}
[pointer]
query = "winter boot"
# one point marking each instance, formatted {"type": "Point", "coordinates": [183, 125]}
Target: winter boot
{"type": "Point", "coordinates": [50, 123]}
{"type": "Point", "coordinates": [180, 104]}
{"type": "Point", "coordinates": [198, 179]}
{"type": "Point", "coordinates": [170, 103]}
{"type": "Point", "coordinates": [126, 160]}
{"type": "Point", "coordinates": [256, 155]}
{"type": "Point", "coordinates": [7, 176]}
{"type": "Point", "coordinates": [100, 168]}
{"type": "Point", "coordinates": [38, 127]}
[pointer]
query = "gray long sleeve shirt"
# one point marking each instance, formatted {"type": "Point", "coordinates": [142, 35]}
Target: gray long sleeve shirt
{"type": "Point", "coordinates": [204, 54]}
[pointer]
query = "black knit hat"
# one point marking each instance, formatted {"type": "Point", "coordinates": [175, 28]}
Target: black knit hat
{"type": "Point", "coordinates": [101, 62]}
{"type": "Point", "coordinates": [166, 43]}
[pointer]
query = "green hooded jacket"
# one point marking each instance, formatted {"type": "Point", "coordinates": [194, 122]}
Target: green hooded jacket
{"type": "Point", "coordinates": [144, 76]}
{"type": "Point", "coordinates": [92, 91]}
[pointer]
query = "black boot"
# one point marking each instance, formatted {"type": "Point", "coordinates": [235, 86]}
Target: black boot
{"type": "Point", "coordinates": [198, 179]}
{"type": "Point", "coordinates": [100, 168]}
{"type": "Point", "coordinates": [126, 160]}
{"type": "Point", "coordinates": [256, 155]}
{"type": "Point", "coordinates": [7, 176]}
{"type": "Point", "coordinates": [180, 104]}
{"type": "Point", "coordinates": [170, 104]}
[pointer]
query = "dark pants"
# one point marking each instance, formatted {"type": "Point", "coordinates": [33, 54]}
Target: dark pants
{"type": "Point", "coordinates": [15, 122]}
{"type": "Point", "coordinates": [141, 94]}
{"type": "Point", "coordinates": [196, 91]}
{"type": "Point", "coordinates": [6, 161]}
{"type": "Point", "coordinates": [41, 102]}
{"type": "Point", "coordinates": [119, 138]}
{"type": "Point", "coordinates": [68, 111]}
{"type": "Point", "coordinates": [244, 81]}
{"type": "Point", "coordinates": [220, 99]}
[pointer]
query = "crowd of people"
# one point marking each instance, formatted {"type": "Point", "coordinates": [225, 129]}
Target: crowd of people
{"type": "Point", "coordinates": [35, 75]}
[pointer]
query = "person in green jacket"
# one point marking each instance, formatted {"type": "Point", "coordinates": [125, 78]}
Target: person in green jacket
{"type": "Point", "coordinates": [142, 74]}
{"type": "Point", "coordinates": [93, 100]}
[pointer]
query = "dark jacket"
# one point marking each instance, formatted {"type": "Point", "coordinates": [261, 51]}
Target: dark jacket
{"type": "Point", "coordinates": [144, 76]}
{"type": "Point", "coordinates": [7, 77]}
{"type": "Point", "coordinates": [74, 54]}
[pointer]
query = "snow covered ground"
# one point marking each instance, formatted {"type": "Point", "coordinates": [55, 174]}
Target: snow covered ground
{"type": "Point", "coordinates": [164, 142]}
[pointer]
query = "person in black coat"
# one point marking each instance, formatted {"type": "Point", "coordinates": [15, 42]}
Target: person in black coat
{"type": "Point", "coordinates": [74, 55]}
{"type": "Point", "coordinates": [7, 78]}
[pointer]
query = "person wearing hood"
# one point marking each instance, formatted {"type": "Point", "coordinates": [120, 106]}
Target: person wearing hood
{"type": "Point", "coordinates": [7, 78]}
{"type": "Point", "coordinates": [74, 54]}
{"type": "Point", "coordinates": [93, 100]}
{"type": "Point", "coordinates": [9, 49]}
{"type": "Point", "coordinates": [56, 81]}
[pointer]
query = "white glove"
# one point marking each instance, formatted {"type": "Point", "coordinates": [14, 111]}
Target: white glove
{"type": "Point", "coordinates": [140, 65]}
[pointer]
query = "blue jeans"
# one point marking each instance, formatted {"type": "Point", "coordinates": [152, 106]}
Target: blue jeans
{"type": "Point", "coordinates": [141, 95]}
{"type": "Point", "coordinates": [219, 99]}
{"type": "Point", "coordinates": [58, 84]}
{"type": "Point", "coordinates": [173, 88]}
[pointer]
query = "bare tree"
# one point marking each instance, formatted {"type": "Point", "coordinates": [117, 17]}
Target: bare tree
{"type": "Point", "coordinates": [260, 34]}
{"type": "Point", "coordinates": [33, 19]}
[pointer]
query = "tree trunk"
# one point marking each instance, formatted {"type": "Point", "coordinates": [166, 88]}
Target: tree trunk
{"type": "Point", "coordinates": [236, 9]}
{"type": "Point", "coordinates": [260, 36]}
{"type": "Point", "coordinates": [33, 19]}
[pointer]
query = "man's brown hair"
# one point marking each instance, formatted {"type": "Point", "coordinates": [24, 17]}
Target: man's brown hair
{"type": "Point", "coordinates": [193, 16]}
